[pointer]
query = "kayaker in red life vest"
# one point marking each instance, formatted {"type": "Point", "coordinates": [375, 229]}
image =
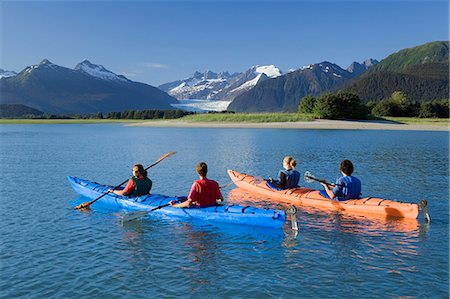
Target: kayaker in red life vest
{"type": "Point", "coordinates": [138, 185]}
{"type": "Point", "coordinates": [287, 178]}
{"type": "Point", "coordinates": [204, 192]}
{"type": "Point", "coordinates": [346, 187]}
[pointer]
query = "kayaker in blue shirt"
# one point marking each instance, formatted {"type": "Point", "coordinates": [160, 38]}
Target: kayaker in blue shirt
{"type": "Point", "coordinates": [288, 177]}
{"type": "Point", "coordinates": [347, 186]}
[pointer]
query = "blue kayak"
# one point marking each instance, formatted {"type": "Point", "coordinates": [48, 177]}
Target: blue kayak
{"type": "Point", "coordinates": [233, 214]}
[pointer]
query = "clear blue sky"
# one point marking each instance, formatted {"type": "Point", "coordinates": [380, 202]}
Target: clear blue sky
{"type": "Point", "coordinates": [161, 41]}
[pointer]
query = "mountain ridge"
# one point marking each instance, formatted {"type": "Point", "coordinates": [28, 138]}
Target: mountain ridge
{"type": "Point", "coordinates": [219, 86]}
{"type": "Point", "coordinates": [88, 88]}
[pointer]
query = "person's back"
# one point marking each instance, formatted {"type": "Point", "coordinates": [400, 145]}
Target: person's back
{"type": "Point", "coordinates": [291, 178]}
{"type": "Point", "coordinates": [204, 192]}
{"type": "Point", "coordinates": [288, 177]}
{"type": "Point", "coordinates": [347, 187]}
{"type": "Point", "coordinates": [141, 186]}
{"type": "Point", "coordinates": [138, 185]}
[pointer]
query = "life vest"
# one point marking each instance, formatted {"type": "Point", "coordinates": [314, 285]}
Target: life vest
{"type": "Point", "coordinates": [292, 178]}
{"type": "Point", "coordinates": [141, 187]}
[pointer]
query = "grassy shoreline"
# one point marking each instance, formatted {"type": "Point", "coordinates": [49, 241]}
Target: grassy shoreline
{"type": "Point", "coordinates": [253, 118]}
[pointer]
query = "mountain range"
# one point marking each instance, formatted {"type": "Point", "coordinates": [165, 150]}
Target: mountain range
{"type": "Point", "coordinates": [284, 93]}
{"type": "Point", "coordinates": [88, 88]}
{"type": "Point", "coordinates": [219, 86]}
{"type": "Point", "coordinates": [6, 74]}
{"type": "Point", "coordinates": [421, 72]}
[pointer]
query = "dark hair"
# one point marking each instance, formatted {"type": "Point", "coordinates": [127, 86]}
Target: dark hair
{"type": "Point", "coordinates": [346, 167]}
{"type": "Point", "coordinates": [202, 168]}
{"type": "Point", "coordinates": [141, 169]}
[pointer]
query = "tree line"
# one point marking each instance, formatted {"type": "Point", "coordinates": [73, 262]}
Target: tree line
{"type": "Point", "coordinates": [127, 114]}
{"type": "Point", "coordinates": [344, 105]}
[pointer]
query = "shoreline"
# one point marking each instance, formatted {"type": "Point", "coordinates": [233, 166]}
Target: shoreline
{"type": "Point", "coordinates": [323, 124]}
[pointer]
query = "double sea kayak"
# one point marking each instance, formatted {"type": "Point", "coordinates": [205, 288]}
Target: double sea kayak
{"type": "Point", "coordinates": [156, 204]}
{"type": "Point", "coordinates": [312, 198]}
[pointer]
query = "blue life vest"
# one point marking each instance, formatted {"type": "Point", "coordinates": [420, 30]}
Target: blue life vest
{"type": "Point", "coordinates": [292, 178]}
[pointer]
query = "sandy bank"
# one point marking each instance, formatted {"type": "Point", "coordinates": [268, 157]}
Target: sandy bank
{"type": "Point", "coordinates": [316, 124]}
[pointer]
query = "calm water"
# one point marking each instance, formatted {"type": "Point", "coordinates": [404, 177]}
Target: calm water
{"type": "Point", "coordinates": [49, 250]}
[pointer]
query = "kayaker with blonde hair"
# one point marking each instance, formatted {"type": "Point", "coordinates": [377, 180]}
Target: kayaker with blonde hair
{"type": "Point", "coordinates": [346, 187]}
{"type": "Point", "coordinates": [288, 177]}
{"type": "Point", "coordinates": [204, 192]}
{"type": "Point", "coordinates": [138, 185]}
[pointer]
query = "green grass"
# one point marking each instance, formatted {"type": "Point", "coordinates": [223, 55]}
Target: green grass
{"type": "Point", "coordinates": [420, 121]}
{"type": "Point", "coordinates": [224, 117]}
{"type": "Point", "coordinates": [247, 117]}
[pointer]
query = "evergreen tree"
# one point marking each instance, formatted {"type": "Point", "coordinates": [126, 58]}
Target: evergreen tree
{"type": "Point", "coordinates": [307, 104]}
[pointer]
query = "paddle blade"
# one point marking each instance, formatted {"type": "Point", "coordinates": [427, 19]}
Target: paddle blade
{"type": "Point", "coordinates": [165, 156]}
{"type": "Point", "coordinates": [84, 205]}
{"type": "Point", "coordinates": [133, 215]}
{"type": "Point", "coordinates": [309, 177]}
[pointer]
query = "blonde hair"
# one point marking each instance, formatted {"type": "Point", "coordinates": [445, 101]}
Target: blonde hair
{"type": "Point", "coordinates": [290, 161]}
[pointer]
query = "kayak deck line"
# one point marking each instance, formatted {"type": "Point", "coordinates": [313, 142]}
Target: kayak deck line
{"type": "Point", "coordinates": [312, 198]}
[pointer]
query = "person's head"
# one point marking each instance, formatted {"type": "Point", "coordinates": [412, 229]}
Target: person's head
{"type": "Point", "coordinates": [138, 170]}
{"type": "Point", "coordinates": [289, 162]}
{"type": "Point", "coordinates": [346, 167]}
{"type": "Point", "coordinates": [202, 169]}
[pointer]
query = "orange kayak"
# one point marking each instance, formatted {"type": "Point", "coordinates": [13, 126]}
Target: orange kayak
{"type": "Point", "coordinates": [312, 198]}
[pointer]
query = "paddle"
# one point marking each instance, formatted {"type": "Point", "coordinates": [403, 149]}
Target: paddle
{"type": "Point", "coordinates": [87, 204]}
{"type": "Point", "coordinates": [309, 178]}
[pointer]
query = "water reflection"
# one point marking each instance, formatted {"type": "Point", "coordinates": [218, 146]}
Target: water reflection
{"type": "Point", "coordinates": [329, 220]}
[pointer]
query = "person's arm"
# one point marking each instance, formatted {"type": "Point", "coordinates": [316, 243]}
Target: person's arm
{"type": "Point", "coordinates": [219, 196]}
{"type": "Point", "coordinates": [184, 204]}
{"type": "Point", "coordinates": [328, 190]}
{"type": "Point", "coordinates": [129, 187]}
{"type": "Point", "coordinates": [282, 180]}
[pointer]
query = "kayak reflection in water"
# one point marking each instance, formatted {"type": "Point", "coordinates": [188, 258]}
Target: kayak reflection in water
{"type": "Point", "coordinates": [346, 187]}
{"type": "Point", "coordinates": [204, 192]}
{"type": "Point", "coordinates": [288, 177]}
{"type": "Point", "coordinates": [138, 185]}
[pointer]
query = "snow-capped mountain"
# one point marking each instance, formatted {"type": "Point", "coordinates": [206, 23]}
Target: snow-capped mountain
{"type": "Point", "coordinates": [6, 74]}
{"type": "Point", "coordinates": [219, 86]}
{"type": "Point", "coordinates": [98, 71]}
{"type": "Point", "coordinates": [88, 88]}
{"type": "Point", "coordinates": [285, 92]}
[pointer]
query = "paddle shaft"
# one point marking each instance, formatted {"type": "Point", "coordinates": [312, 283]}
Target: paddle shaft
{"type": "Point", "coordinates": [321, 181]}
{"type": "Point", "coordinates": [87, 204]}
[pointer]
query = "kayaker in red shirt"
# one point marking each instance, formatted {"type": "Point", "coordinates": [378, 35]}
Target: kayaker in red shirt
{"type": "Point", "coordinates": [204, 192]}
{"type": "Point", "coordinates": [138, 185]}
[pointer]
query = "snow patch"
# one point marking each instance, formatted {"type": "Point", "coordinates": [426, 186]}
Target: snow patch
{"type": "Point", "coordinates": [270, 70]}
{"type": "Point", "coordinates": [99, 71]}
